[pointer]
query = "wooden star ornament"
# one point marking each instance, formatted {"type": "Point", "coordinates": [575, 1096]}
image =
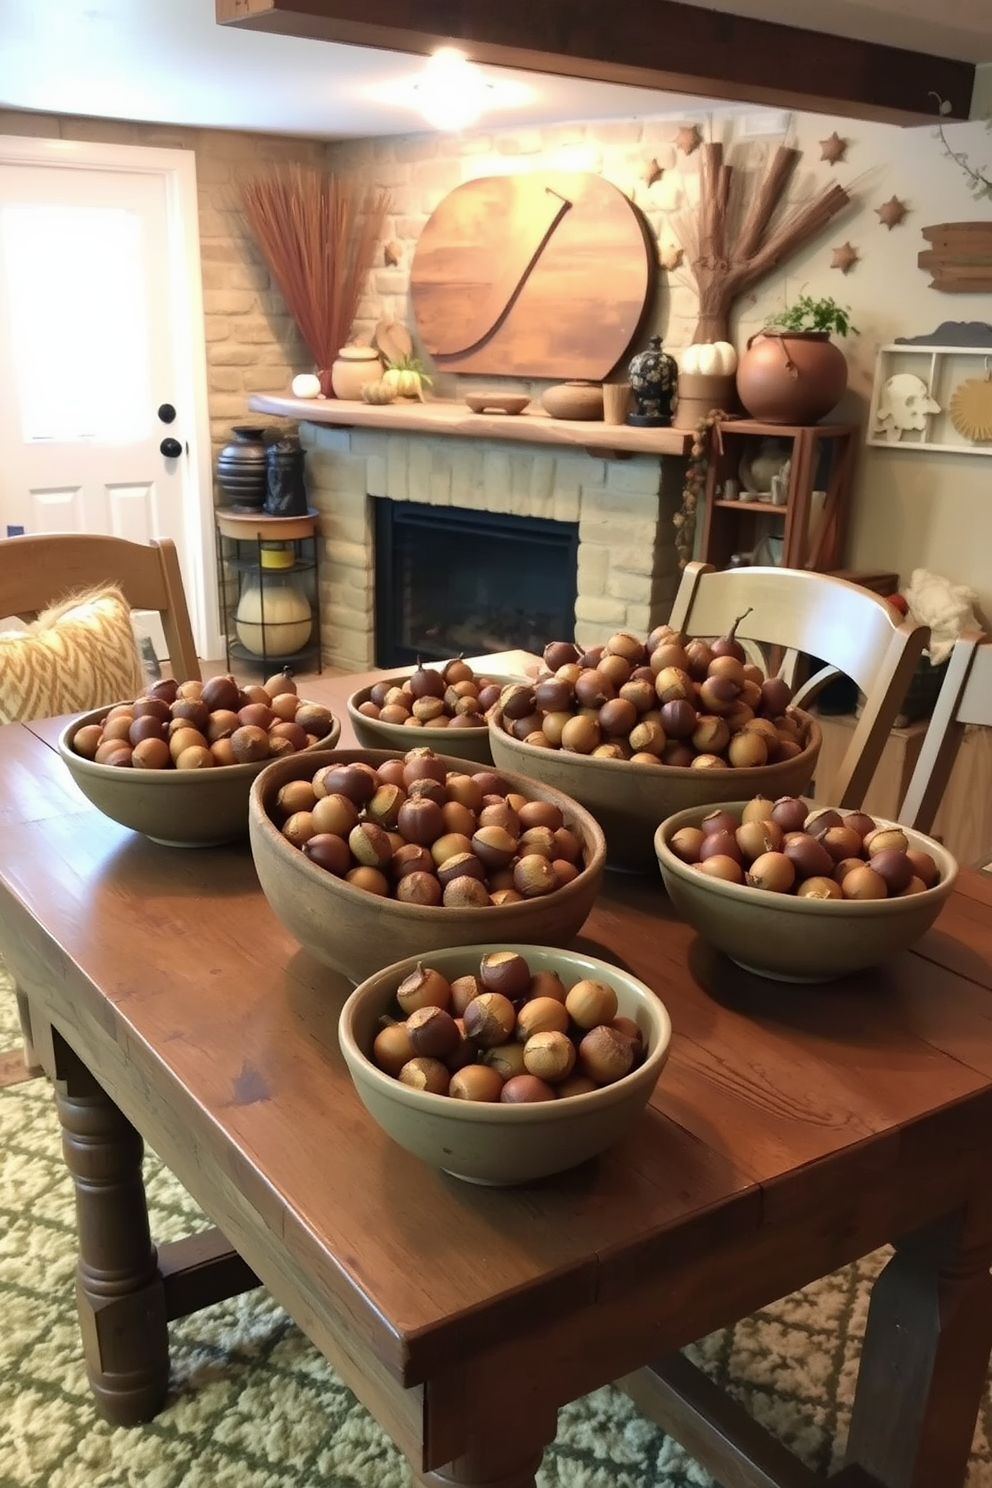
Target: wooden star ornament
{"type": "Point", "coordinates": [891, 212]}
{"type": "Point", "coordinates": [688, 139]}
{"type": "Point", "coordinates": [671, 256]}
{"type": "Point", "coordinates": [844, 258]}
{"type": "Point", "coordinates": [651, 171]}
{"type": "Point", "coordinates": [833, 149]}
{"type": "Point", "coordinates": [392, 253]}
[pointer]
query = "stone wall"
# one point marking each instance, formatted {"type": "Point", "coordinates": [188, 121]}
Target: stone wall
{"type": "Point", "coordinates": [627, 568]}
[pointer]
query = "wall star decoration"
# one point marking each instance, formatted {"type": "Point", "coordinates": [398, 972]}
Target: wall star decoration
{"type": "Point", "coordinates": [651, 171]}
{"type": "Point", "coordinates": [891, 213]}
{"type": "Point", "coordinates": [833, 149]}
{"type": "Point", "coordinates": [392, 253]}
{"type": "Point", "coordinates": [688, 139]}
{"type": "Point", "coordinates": [671, 256]}
{"type": "Point", "coordinates": [844, 258]}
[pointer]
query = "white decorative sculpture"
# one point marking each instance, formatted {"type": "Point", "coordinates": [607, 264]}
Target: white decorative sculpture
{"type": "Point", "coordinates": [904, 405]}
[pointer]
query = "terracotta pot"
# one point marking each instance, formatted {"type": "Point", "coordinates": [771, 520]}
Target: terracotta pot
{"type": "Point", "coordinates": [574, 400]}
{"type": "Point", "coordinates": [791, 377]}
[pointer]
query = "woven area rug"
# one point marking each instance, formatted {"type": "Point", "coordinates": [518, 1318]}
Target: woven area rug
{"type": "Point", "coordinates": [254, 1405]}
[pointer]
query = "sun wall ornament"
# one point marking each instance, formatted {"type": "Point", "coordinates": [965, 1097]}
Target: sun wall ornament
{"type": "Point", "coordinates": [844, 258]}
{"type": "Point", "coordinates": [970, 408]}
{"type": "Point", "coordinates": [891, 213]}
{"type": "Point", "coordinates": [904, 406]}
{"type": "Point", "coordinates": [833, 148]}
{"type": "Point", "coordinates": [688, 139]}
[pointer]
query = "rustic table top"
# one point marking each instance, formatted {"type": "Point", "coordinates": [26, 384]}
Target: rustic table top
{"type": "Point", "coordinates": [793, 1129]}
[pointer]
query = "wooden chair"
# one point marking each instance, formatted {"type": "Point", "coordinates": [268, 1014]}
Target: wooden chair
{"type": "Point", "coordinates": [36, 570]}
{"type": "Point", "coordinates": [965, 697]}
{"type": "Point", "coordinates": [794, 612]}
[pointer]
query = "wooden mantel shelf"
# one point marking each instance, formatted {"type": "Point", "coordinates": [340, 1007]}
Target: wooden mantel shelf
{"type": "Point", "coordinates": [448, 417]}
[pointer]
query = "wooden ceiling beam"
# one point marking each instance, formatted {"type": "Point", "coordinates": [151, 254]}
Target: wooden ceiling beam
{"type": "Point", "coordinates": [664, 45]}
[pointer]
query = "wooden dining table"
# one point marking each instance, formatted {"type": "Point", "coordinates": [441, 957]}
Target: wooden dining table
{"type": "Point", "coordinates": [794, 1129]}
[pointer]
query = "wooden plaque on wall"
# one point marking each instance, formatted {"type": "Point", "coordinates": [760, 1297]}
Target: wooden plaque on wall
{"type": "Point", "coordinates": [546, 274]}
{"type": "Point", "coordinates": [959, 259]}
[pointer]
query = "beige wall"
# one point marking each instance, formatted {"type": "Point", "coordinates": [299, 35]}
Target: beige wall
{"type": "Point", "coordinates": [911, 509]}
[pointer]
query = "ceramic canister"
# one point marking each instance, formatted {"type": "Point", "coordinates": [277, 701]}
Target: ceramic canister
{"type": "Point", "coordinates": [353, 368]}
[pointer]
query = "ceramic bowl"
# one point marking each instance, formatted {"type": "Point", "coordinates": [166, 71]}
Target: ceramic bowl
{"type": "Point", "coordinates": [467, 743]}
{"type": "Point", "coordinates": [494, 1143]}
{"type": "Point", "coordinates": [629, 800]}
{"type": "Point", "coordinates": [356, 932]}
{"type": "Point", "coordinates": [793, 939]}
{"type": "Point", "coordinates": [510, 403]}
{"type": "Point", "coordinates": [177, 808]}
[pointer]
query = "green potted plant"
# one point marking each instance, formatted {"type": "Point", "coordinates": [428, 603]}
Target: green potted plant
{"type": "Point", "coordinates": [809, 315]}
{"type": "Point", "coordinates": [791, 371]}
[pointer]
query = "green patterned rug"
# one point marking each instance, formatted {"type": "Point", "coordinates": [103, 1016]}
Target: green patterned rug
{"type": "Point", "coordinates": [253, 1405]}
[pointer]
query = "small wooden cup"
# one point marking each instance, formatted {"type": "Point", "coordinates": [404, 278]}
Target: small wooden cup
{"type": "Point", "coordinates": [616, 402]}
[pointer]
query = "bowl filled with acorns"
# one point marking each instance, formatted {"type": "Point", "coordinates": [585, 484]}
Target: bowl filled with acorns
{"type": "Point", "coordinates": [637, 730]}
{"type": "Point", "coordinates": [501, 1062]}
{"type": "Point", "coordinates": [367, 856]}
{"type": "Point", "coordinates": [177, 763]}
{"type": "Point", "coordinates": [798, 892]}
{"type": "Point", "coordinates": [447, 706]}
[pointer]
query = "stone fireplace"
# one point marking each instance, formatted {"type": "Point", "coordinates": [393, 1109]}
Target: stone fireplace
{"type": "Point", "coordinates": [622, 504]}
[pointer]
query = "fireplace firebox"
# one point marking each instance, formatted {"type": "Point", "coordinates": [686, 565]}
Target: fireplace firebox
{"type": "Point", "coordinates": [449, 582]}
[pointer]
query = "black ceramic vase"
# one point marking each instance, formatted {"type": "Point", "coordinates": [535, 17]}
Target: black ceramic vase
{"type": "Point", "coordinates": [241, 469]}
{"type": "Point", "coordinates": [654, 378]}
{"type": "Point", "coordinates": [285, 491]}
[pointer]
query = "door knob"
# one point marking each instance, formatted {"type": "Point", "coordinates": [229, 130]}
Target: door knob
{"type": "Point", "coordinates": [166, 413]}
{"type": "Point", "coordinates": [171, 449]}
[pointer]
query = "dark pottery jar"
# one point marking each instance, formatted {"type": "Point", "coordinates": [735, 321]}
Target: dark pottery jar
{"type": "Point", "coordinates": [285, 489]}
{"type": "Point", "coordinates": [654, 380]}
{"type": "Point", "coordinates": [240, 469]}
{"type": "Point", "coordinates": [791, 377]}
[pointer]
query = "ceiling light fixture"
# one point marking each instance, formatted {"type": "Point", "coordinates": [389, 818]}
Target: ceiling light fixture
{"type": "Point", "coordinates": [451, 92]}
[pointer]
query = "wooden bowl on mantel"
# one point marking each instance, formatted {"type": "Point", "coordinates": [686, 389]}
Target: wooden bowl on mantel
{"type": "Point", "coordinates": [509, 403]}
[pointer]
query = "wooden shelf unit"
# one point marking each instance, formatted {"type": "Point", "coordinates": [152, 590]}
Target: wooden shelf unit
{"type": "Point", "coordinates": [812, 535]}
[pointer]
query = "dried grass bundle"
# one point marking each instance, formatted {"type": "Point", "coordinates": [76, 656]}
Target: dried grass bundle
{"type": "Point", "coordinates": [318, 233]}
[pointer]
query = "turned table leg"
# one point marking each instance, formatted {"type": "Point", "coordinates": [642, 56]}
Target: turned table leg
{"type": "Point", "coordinates": [119, 1292]}
{"type": "Point", "coordinates": [925, 1356]}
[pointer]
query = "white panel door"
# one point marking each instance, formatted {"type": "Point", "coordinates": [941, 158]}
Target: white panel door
{"type": "Point", "coordinates": [101, 358]}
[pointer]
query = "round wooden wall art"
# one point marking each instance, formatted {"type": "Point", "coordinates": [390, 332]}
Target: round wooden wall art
{"type": "Point", "coordinates": [546, 274]}
{"type": "Point", "coordinates": [970, 407]}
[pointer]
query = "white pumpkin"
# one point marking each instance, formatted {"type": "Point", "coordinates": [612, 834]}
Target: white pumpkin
{"type": "Point", "coordinates": [710, 359]}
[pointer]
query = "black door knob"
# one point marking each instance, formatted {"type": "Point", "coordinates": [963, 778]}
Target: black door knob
{"type": "Point", "coordinates": [166, 413]}
{"type": "Point", "coordinates": [171, 448]}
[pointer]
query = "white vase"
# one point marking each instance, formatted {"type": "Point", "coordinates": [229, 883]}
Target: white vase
{"type": "Point", "coordinates": [274, 618]}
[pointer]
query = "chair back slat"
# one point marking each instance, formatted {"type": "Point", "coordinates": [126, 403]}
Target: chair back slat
{"type": "Point", "coordinates": [36, 570]}
{"type": "Point", "coordinates": [965, 697]}
{"type": "Point", "coordinates": [848, 628]}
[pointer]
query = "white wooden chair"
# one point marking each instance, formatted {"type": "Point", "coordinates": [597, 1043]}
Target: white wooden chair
{"type": "Point", "coordinates": [965, 698]}
{"type": "Point", "coordinates": [799, 612]}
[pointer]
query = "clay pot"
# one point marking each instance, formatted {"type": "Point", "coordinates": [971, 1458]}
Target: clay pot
{"type": "Point", "coordinates": [353, 368]}
{"type": "Point", "coordinates": [574, 400]}
{"type": "Point", "coordinates": [791, 377]}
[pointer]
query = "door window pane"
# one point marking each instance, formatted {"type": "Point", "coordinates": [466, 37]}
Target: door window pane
{"type": "Point", "coordinates": [75, 289]}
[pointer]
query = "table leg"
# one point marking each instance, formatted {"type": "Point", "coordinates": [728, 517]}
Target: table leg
{"type": "Point", "coordinates": [925, 1355]}
{"type": "Point", "coordinates": [119, 1292]}
{"type": "Point", "coordinates": [502, 1461]}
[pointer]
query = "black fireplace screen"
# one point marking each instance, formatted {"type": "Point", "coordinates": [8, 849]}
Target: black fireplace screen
{"type": "Point", "coordinates": [454, 582]}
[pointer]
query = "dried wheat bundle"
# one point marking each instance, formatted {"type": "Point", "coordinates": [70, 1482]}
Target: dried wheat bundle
{"type": "Point", "coordinates": [318, 233]}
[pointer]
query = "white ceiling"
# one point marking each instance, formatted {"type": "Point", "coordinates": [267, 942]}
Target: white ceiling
{"type": "Point", "coordinates": [168, 61]}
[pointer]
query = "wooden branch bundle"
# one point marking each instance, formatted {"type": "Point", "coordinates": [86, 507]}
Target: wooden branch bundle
{"type": "Point", "coordinates": [730, 257]}
{"type": "Point", "coordinates": [318, 234]}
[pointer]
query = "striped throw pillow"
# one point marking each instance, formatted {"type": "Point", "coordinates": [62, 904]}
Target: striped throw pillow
{"type": "Point", "coordinates": [80, 654]}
